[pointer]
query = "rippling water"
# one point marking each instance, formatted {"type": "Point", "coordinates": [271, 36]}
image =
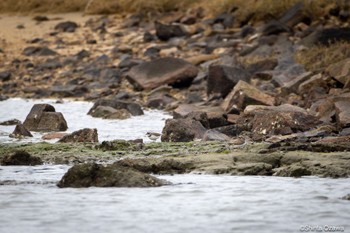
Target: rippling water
{"type": "Point", "coordinates": [75, 113]}
{"type": "Point", "coordinates": [30, 202]}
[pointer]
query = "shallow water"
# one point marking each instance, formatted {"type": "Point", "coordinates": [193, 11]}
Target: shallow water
{"type": "Point", "coordinates": [75, 113]}
{"type": "Point", "coordinates": [195, 203]}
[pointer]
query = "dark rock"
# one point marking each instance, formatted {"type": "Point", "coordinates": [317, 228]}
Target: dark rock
{"type": "Point", "coordinates": [293, 171]}
{"type": "Point", "coordinates": [97, 175]}
{"type": "Point", "coordinates": [226, 19]}
{"type": "Point", "coordinates": [202, 117]}
{"type": "Point", "coordinates": [42, 117]}
{"type": "Point", "coordinates": [152, 52]}
{"type": "Point", "coordinates": [347, 197]}
{"type": "Point", "coordinates": [294, 15]}
{"type": "Point", "coordinates": [173, 71]}
{"type": "Point", "coordinates": [38, 51]}
{"type": "Point", "coordinates": [134, 108]}
{"type": "Point", "coordinates": [129, 63]}
{"type": "Point", "coordinates": [41, 18]}
{"type": "Point", "coordinates": [182, 130]}
{"type": "Point", "coordinates": [165, 32]}
{"type": "Point", "coordinates": [274, 27]}
{"type": "Point", "coordinates": [63, 91]}
{"type": "Point", "coordinates": [148, 37]}
{"type": "Point", "coordinates": [5, 76]}
{"type": "Point", "coordinates": [229, 130]}
{"type": "Point", "coordinates": [222, 79]}
{"type": "Point", "coordinates": [83, 135]}
{"type": "Point", "coordinates": [121, 145]}
{"type": "Point", "coordinates": [20, 131]}
{"type": "Point", "coordinates": [67, 26]}
{"type": "Point", "coordinates": [166, 166]}
{"type": "Point", "coordinates": [326, 36]}
{"type": "Point", "coordinates": [244, 94]}
{"type": "Point", "coordinates": [11, 122]}
{"type": "Point", "coordinates": [160, 100]}
{"type": "Point", "coordinates": [20, 158]}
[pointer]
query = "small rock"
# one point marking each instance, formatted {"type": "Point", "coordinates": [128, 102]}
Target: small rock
{"type": "Point", "coordinates": [340, 71]}
{"type": "Point", "coordinates": [83, 135]}
{"type": "Point", "coordinates": [42, 117]}
{"type": "Point", "coordinates": [173, 71]}
{"type": "Point", "coordinates": [11, 122]}
{"type": "Point", "coordinates": [293, 171]}
{"type": "Point", "coordinates": [5, 76]}
{"type": "Point", "coordinates": [20, 131]}
{"type": "Point", "coordinates": [20, 158]}
{"type": "Point", "coordinates": [107, 112]}
{"type": "Point", "coordinates": [244, 94]}
{"type": "Point", "coordinates": [38, 51]}
{"type": "Point", "coordinates": [214, 135]}
{"type": "Point", "coordinates": [97, 175]}
{"type": "Point", "coordinates": [165, 32]}
{"type": "Point", "coordinates": [67, 26]}
{"type": "Point", "coordinates": [221, 79]}
{"type": "Point", "coordinates": [347, 197]}
{"type": "Point", "coordinates": [41, 18]}
{"type": "Point", "coordinates": [326, 36]}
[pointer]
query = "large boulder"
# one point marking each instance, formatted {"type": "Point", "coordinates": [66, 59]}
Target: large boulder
{"type": "Point", "coordinates": [43, 117]}
{"type": "Point", "coordinates": [20, 158]}
{"type": "Point", "coordinates": [83, 135]}
{"type": "Point", "coordinates": [221, 79]}
{"type": "Point", "coordinates": [97, 175]}
{"type": "Point", "coordinates": [173, 71]}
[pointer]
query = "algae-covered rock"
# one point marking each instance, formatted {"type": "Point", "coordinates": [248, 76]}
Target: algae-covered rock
{"type": "Point", "coordinates": [20, 158]}
{"type": "Point", "coordinates": [97, 175]}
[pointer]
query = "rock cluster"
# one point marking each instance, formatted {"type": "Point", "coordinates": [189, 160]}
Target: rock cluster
{"type": "Point", "coordinates": [223, 78]}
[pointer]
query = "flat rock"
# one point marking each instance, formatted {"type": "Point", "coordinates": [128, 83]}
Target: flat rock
{"type": "Point", "coordinates": [173, 71]}
{"type": "Point", "coordinates": [83, 135]}
{"type": "Point", "coordinates": [51, 136]}
{"type": "Point", "coordinates": [38, 51]}
{"type": "Point", "coordinates": [20, 158]}
{"type": "Point", "coordinates": [42, 117]}
{"type": "Point", "coordinates": [222, 78]}
{"type": "Point", "coordinates": [11, 122]}
{"type": "Point", "coordinates": [107, 112]}
{"type": "Point", "coordinates": [98, 175]}
{"type": "Point", "coordinates": [244, 94]}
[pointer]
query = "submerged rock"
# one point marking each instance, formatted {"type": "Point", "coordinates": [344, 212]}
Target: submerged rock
{"type": "Point", "coordinates": [11, 122]}
{"type": "Point", "coordinates": [111, 109]}
{"type": "Point", "coordinates": [20, 158]}
{"type": "Point", "coordinates": [97, 175]}
{"type": "Point", "coordinates": [43, 117]}
{"type": "Point", "coordinates": [83, 135]}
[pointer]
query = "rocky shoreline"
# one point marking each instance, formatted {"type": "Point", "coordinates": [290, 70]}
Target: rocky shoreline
{"type": "Point", "coordinates": [263, 98]}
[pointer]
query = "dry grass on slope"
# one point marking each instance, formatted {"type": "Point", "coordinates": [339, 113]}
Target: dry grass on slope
{"type": "Point", "coordinates": [259, 8]}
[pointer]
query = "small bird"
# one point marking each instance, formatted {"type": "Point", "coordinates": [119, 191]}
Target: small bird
{"type": "Point", "coordinates": [153, 136]}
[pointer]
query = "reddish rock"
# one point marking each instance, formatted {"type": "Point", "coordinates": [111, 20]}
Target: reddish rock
{"type": "Point", "coordinates": [221, 79]}
{"type": "Point", "coordinates": [83, 135]}
{"type": "Point", "coordinates": [244, 94]}
{"type": "Point", "coordinates": [173, 71]}
{"type": "Point", "coordinates": [42, 117]}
